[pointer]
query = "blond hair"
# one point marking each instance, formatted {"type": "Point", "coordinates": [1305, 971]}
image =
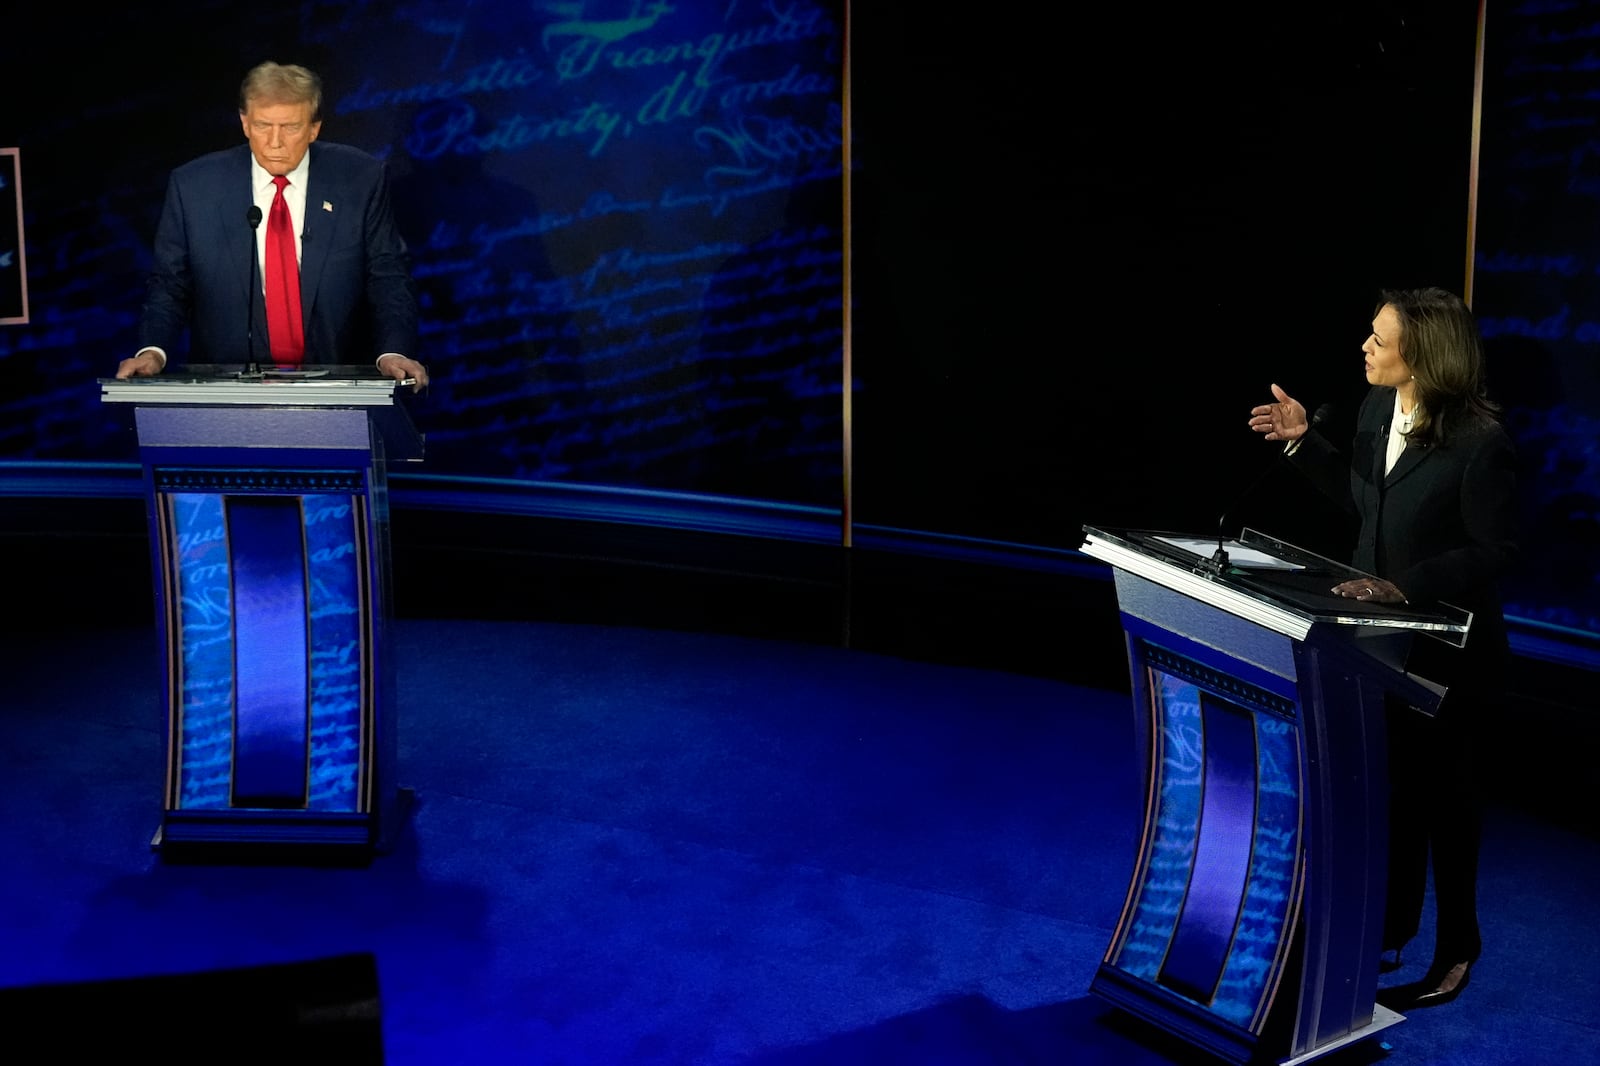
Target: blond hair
{"type": "Point", "coordinates": [279, 83]}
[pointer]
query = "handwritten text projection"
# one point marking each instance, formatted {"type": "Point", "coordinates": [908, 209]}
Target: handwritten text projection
{"type": "Point", "coordinates": [627, 228]}
{"type": "Point", "coordinates": [626, 223]}
{"type": "Point", "coordinates": [1537, 260]}
{"type": "Point", "coordinates": [1536, 289]}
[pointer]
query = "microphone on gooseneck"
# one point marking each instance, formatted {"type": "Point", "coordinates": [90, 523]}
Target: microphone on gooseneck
{"type": "Point", "coordinates": [253, 216]}
{"type": "Point", "coordinates": [1219, 560]}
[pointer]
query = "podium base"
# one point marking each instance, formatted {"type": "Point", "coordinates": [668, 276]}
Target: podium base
{"type": "Point", "coordinates": [298, 838]}
{"type": "Point", "coordinates": [1382, 1018]}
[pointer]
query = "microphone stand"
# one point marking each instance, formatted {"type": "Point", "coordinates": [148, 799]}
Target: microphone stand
{"type": "Point", "coordinates": [251, 369]}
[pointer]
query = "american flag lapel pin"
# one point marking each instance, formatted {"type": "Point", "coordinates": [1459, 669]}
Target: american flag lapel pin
{"type": "Point", "coordinates": [326, 206]}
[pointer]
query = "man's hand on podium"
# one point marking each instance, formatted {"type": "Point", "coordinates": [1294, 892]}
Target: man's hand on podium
{"type": "Point", "coordinates": [146, 364]}
{"type": "Point", "coordinates": [404, 370]}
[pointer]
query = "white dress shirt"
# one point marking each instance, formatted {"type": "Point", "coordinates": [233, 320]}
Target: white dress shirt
{"type": "Point", "coordinates": [294, 194]}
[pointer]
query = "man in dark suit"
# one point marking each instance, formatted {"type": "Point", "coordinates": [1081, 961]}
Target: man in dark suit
{"type": "Point", "coordinates": [357, 300]}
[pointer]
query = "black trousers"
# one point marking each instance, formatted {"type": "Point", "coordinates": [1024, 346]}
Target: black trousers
{"type": "Point", "coordinates": [1436, 813]}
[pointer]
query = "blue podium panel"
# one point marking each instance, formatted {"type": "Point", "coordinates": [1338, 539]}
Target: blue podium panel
{"type": "Point", "coordinates": [274, 719]}
{"type": "Point", "coordinates": [274, 658]}
{"type": "Point", "coordinates": [1219, 875]}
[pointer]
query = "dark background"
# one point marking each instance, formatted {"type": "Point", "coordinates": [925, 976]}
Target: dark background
{"type": "Point", "coordinates": [1138, 225]}
{"type": "Point", "coordinates": [1081, 246]}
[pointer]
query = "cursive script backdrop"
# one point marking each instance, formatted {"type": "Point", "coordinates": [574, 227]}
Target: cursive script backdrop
{"type": "Point", "coordinates": [626, 221]}
{"type": "Point", "coordinates": [1081, 244]}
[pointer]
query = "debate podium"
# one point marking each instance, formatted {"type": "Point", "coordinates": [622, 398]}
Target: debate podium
{"type": "Point", "coordinates": [269, 531]}
{"type": "Point", "coordinates": [1253, 919]}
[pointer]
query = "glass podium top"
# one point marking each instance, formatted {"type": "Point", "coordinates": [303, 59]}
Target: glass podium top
{"type": "Point", "coordinates": [197, 405]}
{"type": "Point", "coordinates": [212, 384]}
{"type": "Point", "coordinates": [1265, 579]}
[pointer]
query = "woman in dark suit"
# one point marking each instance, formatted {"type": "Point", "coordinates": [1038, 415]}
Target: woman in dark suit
{"type": "Point", "coordinates": [1431, 480]}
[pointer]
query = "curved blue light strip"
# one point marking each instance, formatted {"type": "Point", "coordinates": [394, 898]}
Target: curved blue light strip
{"type": "Point", "coordinates": [1274, 873]}
{"type": "Point", "coordinates": [204, 618]}
{"type": "Point", "coordinates": [338, 605]}
{"type": "Point", "coordinates": [669, 510]}
{"type": "Point", "coordinates": [271, 727]}
{"type": "Point", "coordinates": [1211, 907]}
{"type": "Point", "coordinates": [1531, 638]}
{"type": "Point", "coordinates": [1171, 834]}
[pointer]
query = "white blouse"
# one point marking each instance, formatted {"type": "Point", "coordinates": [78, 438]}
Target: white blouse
{"type": "Point", "coordinates": [1399, 426]}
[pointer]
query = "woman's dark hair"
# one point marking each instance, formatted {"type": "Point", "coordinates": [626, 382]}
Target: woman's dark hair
{"type": "Point", "coordinates": [1440, 342]}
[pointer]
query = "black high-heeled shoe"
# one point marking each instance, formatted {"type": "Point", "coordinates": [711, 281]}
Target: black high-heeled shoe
{"type": "Point", "coordinates": [1442, 986]}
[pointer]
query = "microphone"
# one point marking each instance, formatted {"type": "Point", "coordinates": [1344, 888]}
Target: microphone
{"type": "Point", "coordinates": [1219, 560]}
{"type": "Point", "coordinates": [252, 216]}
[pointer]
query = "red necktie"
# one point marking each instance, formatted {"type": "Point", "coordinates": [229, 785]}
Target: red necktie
{"type": "Point", "coordinates": [285, 329]}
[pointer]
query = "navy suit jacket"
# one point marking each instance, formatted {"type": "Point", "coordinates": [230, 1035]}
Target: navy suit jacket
{"type": "Point", "coordinates": [356, 290]}
{"type": "Point", "coordinates": [1441, 525]}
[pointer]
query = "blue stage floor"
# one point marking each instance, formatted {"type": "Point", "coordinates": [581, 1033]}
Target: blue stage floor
{"type": "Point", "coordinates": [635, 846]}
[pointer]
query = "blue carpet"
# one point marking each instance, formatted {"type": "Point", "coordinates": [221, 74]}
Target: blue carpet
{"type": "Point", "coordinates": [633, 846]}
